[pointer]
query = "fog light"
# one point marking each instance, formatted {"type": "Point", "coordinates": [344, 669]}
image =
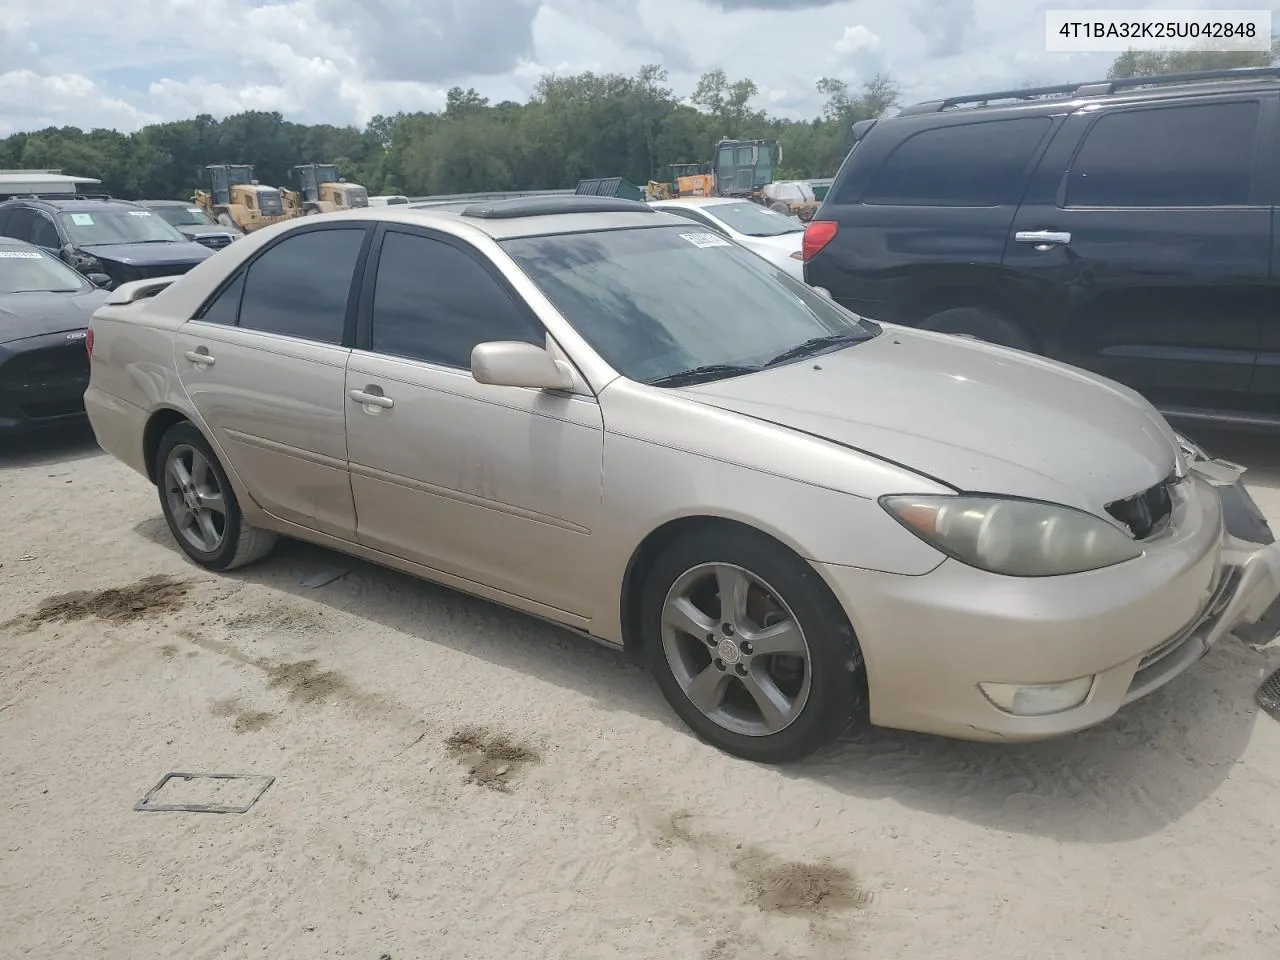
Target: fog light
{"type": "Point", "coordinates": [1037, 699]}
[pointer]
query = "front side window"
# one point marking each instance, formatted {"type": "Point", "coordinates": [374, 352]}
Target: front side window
{"type": "Point", "coordinates": [44, 233]}
{"type": "Point", "coordinates": [301, 286]}
{"type": "Point", "coordinates": [960, 165]}
{"type": "Point", "coordinates": [1190, 156]}
{"type": "Point", "coordinates": [26, 271]}
{"type": "Point", "coordinates": [90, 227]}
{"type": "Point", "coordinates": [20, 224]}
{"type": "Point", "coordinates": [662, 302]}
{"type": "Point", "coordinates": [433, 301]}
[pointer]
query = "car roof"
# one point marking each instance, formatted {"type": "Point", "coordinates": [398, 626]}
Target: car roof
{"type": "Point", "coordinates": [12, 243]}
{"type": "Point", "coordinates": [1102, 92]}
{"type": "Point", "coordinates": [537, 219]}
{"type": "Point", "coordinates": [697, 201]}
{"type": "Point", "coordinates": [80, 203]}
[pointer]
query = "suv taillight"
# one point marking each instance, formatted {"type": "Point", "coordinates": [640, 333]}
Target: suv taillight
{"type": "Point", "coordinates": [817, 234]}
{"type": "Point", "coordinates": [88, 342]}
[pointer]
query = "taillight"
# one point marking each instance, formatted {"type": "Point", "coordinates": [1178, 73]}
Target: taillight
{"type": "Point", "coordinates": [88, 342]}
{"type": "Point", "coordinates": [817, 234]}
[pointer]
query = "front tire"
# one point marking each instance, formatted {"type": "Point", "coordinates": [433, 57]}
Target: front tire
{"type": "Point", "coordinates": [199, 505]}
{"type": "Point", "coordinates": [770, 676]}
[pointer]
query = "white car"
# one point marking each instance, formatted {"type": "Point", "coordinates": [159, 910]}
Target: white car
{"type": "Point", "coordinates": [772, 235]}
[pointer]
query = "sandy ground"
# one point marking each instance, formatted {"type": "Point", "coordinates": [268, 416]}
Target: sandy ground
{"type": "Point", "coordinates": [457, 781]}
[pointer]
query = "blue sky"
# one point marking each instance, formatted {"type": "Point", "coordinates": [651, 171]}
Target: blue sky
{"type": "Point", "coordinates": [122, 64]}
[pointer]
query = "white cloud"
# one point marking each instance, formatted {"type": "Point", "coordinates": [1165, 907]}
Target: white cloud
{"type": "Point", "coordinates": [856, 39]}
{"type": "Point", "coordinates": [121, 64]}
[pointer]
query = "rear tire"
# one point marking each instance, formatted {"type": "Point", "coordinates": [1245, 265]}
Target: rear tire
{"type": "Point", "coordinates": [722, 670]}
{"type": "Point", "coordinates": [980, 324]}
{"type": "Point", "coordinates": [199, 505]}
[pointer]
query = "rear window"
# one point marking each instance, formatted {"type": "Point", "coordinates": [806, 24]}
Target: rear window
{"type": "Point", "coordinates": [959, 165]}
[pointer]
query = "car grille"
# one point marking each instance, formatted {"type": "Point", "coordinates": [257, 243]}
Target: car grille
{"type": "Point", "coordinates": [1147, 513]}
{"type": "Point", "coordinates": [214, 240]}
{"type": "Point", "coordinates": [48, 382]}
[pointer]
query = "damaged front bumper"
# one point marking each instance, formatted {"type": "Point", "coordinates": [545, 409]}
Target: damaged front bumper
{"type": "Point", "coordinates": [1250, 557]}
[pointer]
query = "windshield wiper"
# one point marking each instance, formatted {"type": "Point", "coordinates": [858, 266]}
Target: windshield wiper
{"type": "Point", "coordinates": [710, 371]}
{"type": "Point", "coordinates": [815, 345]}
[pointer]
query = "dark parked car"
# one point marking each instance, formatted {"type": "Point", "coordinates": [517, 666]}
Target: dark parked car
{"type": "Point", "coordinates": [193, 223]}
{"type": "Point", "coordinates": [45, 308]}
{"type": "Point", "coordinates": [102, 235]}
{"type": "Point", "coordinates": [1122, 226]}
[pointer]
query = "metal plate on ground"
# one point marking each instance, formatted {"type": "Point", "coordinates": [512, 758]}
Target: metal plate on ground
{"type": "Point", "coordinates": [205, 793]}
{"type": "Point", "coordinates": [1268, 695]}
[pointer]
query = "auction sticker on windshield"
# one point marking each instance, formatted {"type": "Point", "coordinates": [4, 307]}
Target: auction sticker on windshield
{"type": "Point", "coordinates": [705, 240]}
{"type": "Point", "coordinates": [82, 219]}
{"type": "Point", "coordinates": [139, 213]}
{"type": "Point", "coordinates": [18, 255]}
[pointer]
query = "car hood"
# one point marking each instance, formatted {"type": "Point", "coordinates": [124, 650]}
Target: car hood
{"type": "Point", "coordinates": [204, 229]}
{"type": "Point", "coordinates": [787, 243]}
{"type": "Point", "coordinates": [150, 254]}
{"type": "Point", "coordinates": [25, 315]}
{"type": "Point", "coordinates": [975, 417]}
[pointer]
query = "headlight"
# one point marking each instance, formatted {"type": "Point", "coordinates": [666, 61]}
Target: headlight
{"type": "Point", "coordinates": [1017, 538]}
{"type": "Point", "coordinates": [1190, 449]}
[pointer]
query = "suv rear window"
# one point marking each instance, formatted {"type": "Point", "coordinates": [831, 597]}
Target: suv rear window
{"type": "Point", "coordinates": [959, 165]}
{"type": "Point", "coordinates": [1192, 156]}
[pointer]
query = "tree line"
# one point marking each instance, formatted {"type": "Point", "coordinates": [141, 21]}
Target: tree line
{"type": "Point", "coordinates": [573, 127]}
{"type": "Point", "coordinates": [577, 126]}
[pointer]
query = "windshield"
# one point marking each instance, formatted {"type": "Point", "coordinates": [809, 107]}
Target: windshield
{"type": "Point", "coordinates": [656, 302]}
{"type": "Point", "coordinates": [117, 226]}
{"type": "Point", "coordinates": [184, 216]}
{"type": "Point", "coordinates": [25, 271]}
{"type": "Point", "coordinates": [753, 220]}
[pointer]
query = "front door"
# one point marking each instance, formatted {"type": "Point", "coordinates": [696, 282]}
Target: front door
{"type": "Point", "coordinates": [1149, 260]}
{"type": "Point", "coordinates": [497, 485]}
{"type": "Point", "coordinates": [264, 362]}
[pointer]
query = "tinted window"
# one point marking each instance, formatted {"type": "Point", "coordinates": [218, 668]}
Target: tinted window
{"type": "Point", "coordinates": [1196, 156]}
{"type": "Point", "coordinates": [44, 233]}
{"type": "Point", "coordinates": [434, 302]}
{"type": "Point", "coordinates": [659, 301]}
{"type": "Point", "coordinates": [20, 224]}
{"type": "Point", "coordinates": [969, 165]}
{"type": "Point", "coordinates": [300, 286]}
{"type": "Point", "coordinates": [225, 307]}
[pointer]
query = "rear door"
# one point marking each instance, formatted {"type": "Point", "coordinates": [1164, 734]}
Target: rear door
{"type": "Point", "coordinates": [264, 362]}
{"type": "Point", "coordinates": [925, 209]}
{"type": "Point", "coordinates": [1145, 246]}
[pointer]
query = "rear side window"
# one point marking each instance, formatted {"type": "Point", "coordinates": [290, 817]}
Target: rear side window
{"type": "Point", "coordinates": [965, 165]}
{"type": "Point", "coordinates": [1193, 156]}
{"type": "Point", "coordinates": [300, 286]}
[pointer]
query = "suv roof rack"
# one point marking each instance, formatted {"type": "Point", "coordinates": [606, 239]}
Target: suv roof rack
{"type": "Point", "coordinates": [63, 196]}
{"type": "Point", "coordinates": [514, 207]}
{"type": "Point", "coordinates": [1093, 88]}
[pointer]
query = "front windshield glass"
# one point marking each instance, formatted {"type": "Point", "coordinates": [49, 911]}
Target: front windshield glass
{"type": "Point", "coordinates": [662, 301]}
{"type": "Point", "coordinates": [184, 216]}
{"type": "Point", "coordinates": [25, 271]}
{"type": "Point", "coordinates": [754, 220]}
{"type": "Point", "coordinates": [92, 227]}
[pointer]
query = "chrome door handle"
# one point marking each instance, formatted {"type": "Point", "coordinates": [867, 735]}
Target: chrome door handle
{"type": "Point", "coordinates": [372, 399]}
{"type": "Point", "coordinates": [199, 358]}
{"type": "Point", "coordinates": [1042, 238]}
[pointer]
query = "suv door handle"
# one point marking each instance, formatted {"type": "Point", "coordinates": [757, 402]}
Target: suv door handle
{"type": "Point", "coordinates": [200, 357]}
{"type": "Point", "coordinates": [1045, 238]}
{"type": "Point", "coordinates": [371, 399]}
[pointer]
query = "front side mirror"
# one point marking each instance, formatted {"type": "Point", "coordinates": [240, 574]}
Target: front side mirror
{"type": "Point", "coordinates": [100, 280]}
{"type": "Point", "coordinates": [510, 363]}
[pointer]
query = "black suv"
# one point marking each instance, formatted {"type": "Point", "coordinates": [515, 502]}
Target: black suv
{"type": "Point", "coordinates": [1122, 226]}
{"type": "Point", "coordinates": [101, 235]}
